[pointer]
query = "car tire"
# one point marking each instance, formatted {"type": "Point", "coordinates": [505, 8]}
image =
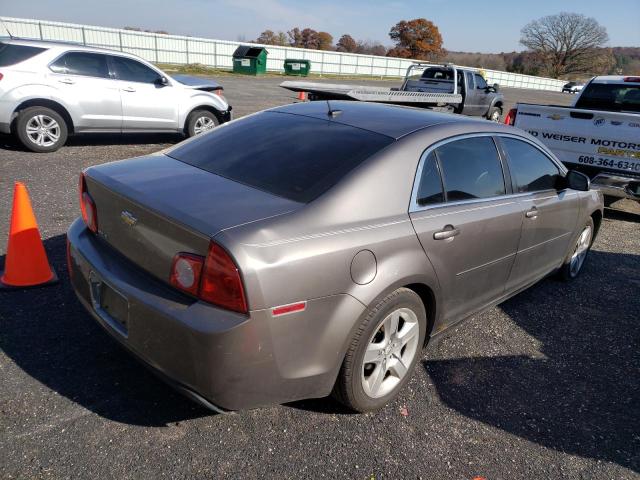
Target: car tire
{"type": "Point", "coordinates": [494, 114]}
{"type": "Point", "coordinates": [41, 129]}
{"type": "Point", "coordinates": [364, 385]}
{"type": "Point", "coordinates": [578, 255]}
{"type": "Point", "coordinates": [201, 121]}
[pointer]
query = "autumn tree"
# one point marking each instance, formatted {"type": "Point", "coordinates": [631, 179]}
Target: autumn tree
{"type": "Point", "coordinates": [346, 44]}
{"type": "Point", "coordinates": [325, 41]}
{"type": "Point", "coordinates": [418, 38]}
{"type": "Point", "coordinates": [295, 37]}
{"type": "Point", "coordinates": [367, 47]}
{"type": "Point", "coordinates": [566, 43]}
{"type": "Point", "coordinates": [269, 37]}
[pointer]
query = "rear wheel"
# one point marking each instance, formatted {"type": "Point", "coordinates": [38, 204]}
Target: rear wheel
{"type": "Point", "coordinates": [383, 354]}
{"type": "Point", "coordinates": [494, 114]}
{"type": "Point", "coordinates": [573, 265]}
{"type": "Point", "coordinates": [41, 129]}
{"type": "Point", "coordinates": [201, 121]}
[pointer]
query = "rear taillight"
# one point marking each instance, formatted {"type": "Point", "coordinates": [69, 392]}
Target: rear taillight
{"type": "Point", "coordinates": [1, 76]}
{"type": "Point", "coordinates": [87, 206]}
{"type": "Point", "coordinates": [214, 279]}
{"type": "Point", "coordinates": [510, 119]}
{"type": "Point", "coordinates": [218, 92]}
{"type": "Point", "coordinates": [221, 282]}
{"type": "Point", "coordinates": [185, 272]}
{"type": "Point", "coordinates": [626, 79]}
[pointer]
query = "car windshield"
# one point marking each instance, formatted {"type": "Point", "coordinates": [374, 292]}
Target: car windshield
{"type": "Point", "coordinates": [11, 54]}
{"type": "Point", "coordinates": [291, 156]}
{"type": "Point", "coordinates": [610, 96]}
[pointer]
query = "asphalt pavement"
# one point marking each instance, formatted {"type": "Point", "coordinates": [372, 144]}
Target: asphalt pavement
{"type": "Point", "coordinates": [545, 385]}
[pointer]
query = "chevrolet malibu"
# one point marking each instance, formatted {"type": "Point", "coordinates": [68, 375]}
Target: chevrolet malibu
{"type": "Point", "coordinates": [317, 247]}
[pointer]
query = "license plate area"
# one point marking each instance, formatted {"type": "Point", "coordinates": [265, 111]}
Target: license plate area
{"type": "Point", "coordinates": [110, 305]}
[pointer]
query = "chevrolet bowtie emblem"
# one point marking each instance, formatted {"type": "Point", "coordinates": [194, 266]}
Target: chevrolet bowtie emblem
{"type": "Point", "coordinates": [128, 218]}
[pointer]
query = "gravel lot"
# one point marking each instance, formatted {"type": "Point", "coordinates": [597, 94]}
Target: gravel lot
{"type": "Point", "coordinates": [543, 386]}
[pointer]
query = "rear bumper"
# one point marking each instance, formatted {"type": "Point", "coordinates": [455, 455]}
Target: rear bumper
{"type": "Point", "coordinates": [222, 359]}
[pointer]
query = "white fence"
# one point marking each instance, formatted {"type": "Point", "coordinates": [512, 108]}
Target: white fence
{"type": "Point", "coordinates": [160, 48]}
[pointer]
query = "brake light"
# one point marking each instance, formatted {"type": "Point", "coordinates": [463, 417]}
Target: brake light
{"type": "Point", "coordinates": [218, 92]}
{"type": "Point", "coordinates": [214, 279]}
{"type": "Point", "coordinates": [221, 283]}
{"type": "Point", "coordinates": [1, 76]}
{"type": "Point", "coordinates": [625, 79]}
{"type": "Point", "coordinates": [510, 119]}
{"type": "Point", "coordinates": [185, 272]}
{"type": "Point", "coordinates": [87, 206]}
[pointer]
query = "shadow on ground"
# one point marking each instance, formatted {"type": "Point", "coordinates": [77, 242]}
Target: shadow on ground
{"type": "Point", "coordinates": [47, 333]}
{"type": "Point", "coordinates": [8, 142]}
{"type": "Point", "coordinates": [582, 395]}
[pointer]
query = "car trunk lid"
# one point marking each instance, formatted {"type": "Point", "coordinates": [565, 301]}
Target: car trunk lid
{"type": "Point", "coordinates": [151, 208]}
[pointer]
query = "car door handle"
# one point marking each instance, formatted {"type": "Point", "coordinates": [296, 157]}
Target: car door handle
{"type": "Point", "coordinates": [449, 231]}
{"type": "Point", "coordinates": [531, 213]}
{"type": "Point", "coordinates": [128, 89]}
{"type": "Point", "coordinates": [68, 81]}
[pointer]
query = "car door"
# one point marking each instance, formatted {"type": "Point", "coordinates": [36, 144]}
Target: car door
{"type": "Point", "coordinates": [483, 96]}
{"type": "Point", "coordinates": [91, 94]}
{"type": "Point", "coordinates": [549, 214]}
{"type": "Point", "coordinates": [470, 98]}
{"type": "Point", "coordinates": [147, 104]}
{"type": "Point", "coordinates": [467, 222]}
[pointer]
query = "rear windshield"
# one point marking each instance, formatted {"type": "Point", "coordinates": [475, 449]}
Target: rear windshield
{"type": "Point", "coordinates": [610, 96]}
{"type": "Point", "coordinates": [12, 54]}
{"type": "Point", "coordinates": [291, 156]}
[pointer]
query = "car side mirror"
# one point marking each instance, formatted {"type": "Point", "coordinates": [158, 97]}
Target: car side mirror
{"type": "Point", "coordinates": [162, 81]}
{"type": "Point", "coordinates": [577, 181]}
{"type": "Point", "coordinates": [496, 87]}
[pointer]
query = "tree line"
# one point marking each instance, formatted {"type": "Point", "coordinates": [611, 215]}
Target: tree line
{"type": "Point", "coordinates": [566, 45]}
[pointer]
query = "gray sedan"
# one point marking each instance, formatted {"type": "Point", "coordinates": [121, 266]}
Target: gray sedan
{"type": "Point", "coordinates": [318, 247]}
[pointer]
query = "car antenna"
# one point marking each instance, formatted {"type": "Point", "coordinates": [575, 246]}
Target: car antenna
{"type": "Point", "coordinates": [7, 29]}
{"type": "Point", "coordinates": [332, 113]}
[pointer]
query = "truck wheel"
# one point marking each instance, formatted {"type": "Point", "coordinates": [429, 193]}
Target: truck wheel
{"type": "Point", "coordinates": [573, 264]}
{"type": "Point", "coordinates": [383, 353]}
{"type": "Point", "coordinates": [494, 114]}
{"type": "Point", "coordinates": [41, 129]}
{"type": "Point", "coordinates": [201, 121]}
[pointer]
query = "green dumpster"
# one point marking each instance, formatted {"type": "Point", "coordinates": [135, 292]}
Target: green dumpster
{"type": "Point", "coordinates": [250, 60]}
{"type": "Point", "coordinates": [297, 67]}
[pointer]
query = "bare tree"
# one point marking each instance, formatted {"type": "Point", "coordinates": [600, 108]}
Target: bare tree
{"type": "Point", "coordinates": [566, 43]}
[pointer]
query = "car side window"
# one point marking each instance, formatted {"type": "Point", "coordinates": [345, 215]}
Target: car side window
{"type": "Point", "coordinates": [430, 187]}
{"type": "Point", "coordinates": [133, 71]}
{"type": "Point", "coordinates": [82, 63]}
{"type": "Point", "coordinates": [531, 169]}
{"type": "Point", "coordinates": [471, 169]}
{"type": "Point", "coordinates": [470, 84]}
{"type": "Point", "coordinates": [480, 81]}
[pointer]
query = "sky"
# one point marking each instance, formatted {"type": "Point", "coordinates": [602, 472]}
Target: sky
{"type": "Point", "coordinates": [465, 25]}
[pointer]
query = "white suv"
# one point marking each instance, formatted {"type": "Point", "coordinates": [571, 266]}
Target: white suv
{"type": "Point", "coordinates": [51, 90]}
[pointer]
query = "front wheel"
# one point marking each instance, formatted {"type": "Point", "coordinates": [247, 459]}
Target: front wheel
{"type": "Point", "coordinates": [383, 353]}
{"type": "Point", "coordinates": [201, 121]}
{"type": "Point", "coordinates": [573, 265]}
{"type": "Point", "coordinates": [41, 129]}
{"type": "Point", "coordinates": [494, 114]}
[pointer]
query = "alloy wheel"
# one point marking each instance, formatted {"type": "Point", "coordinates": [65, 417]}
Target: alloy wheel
{"type": "Point", "coordinates": [390, 352]}
{"type": "Point", "coordinates": [580, 251]}
{"type": "Point", "coordinates": [43, 130]}
{"type": "Point", "coordinates": [203, 124]}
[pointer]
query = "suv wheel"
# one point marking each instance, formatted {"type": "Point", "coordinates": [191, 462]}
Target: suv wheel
{"type": "Point", "coordinates": [41, 129]}
{"type": "Point", "coordinates": [383, 353]}
{"type": "Point", "coordinates": [573, 265]}
{"type": "Point", "coordinates": [494, 114]}
{"type": "Point", "coordinates": [201, 121]}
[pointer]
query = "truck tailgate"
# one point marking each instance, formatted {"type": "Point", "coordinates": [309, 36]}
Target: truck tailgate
{"type": "Point", "coordinates": [605, 140]}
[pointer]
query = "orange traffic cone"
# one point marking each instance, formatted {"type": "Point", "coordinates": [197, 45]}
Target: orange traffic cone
{"type": "Point", "coordinates": [302, 96]}
{"type": "Point", "coordinates": [26, 263]}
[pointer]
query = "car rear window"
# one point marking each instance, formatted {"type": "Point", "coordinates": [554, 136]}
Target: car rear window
{"type": "Point", "coordinates": [291, 156]}
{"type": "Point", "coordinates": [12, 54]}
{"type": "Point", "coordinates": [610, 96]}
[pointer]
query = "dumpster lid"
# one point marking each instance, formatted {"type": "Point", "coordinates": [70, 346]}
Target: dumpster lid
{"type": "Point", "coordinates": [248, 51]}
{"type": "Point", "coordinates": [298, 60]}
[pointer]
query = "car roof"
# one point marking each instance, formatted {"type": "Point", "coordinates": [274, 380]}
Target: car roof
{"type": "Point", "coordinates": [57, 44]}
{"type": "Point", "coordinates": [391, 120]}
{"type": "Point", "coordinates": [614, 79]}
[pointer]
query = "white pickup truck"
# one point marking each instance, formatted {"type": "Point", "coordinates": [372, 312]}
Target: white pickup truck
{"type": "Point", "coordinates": [599, 135]}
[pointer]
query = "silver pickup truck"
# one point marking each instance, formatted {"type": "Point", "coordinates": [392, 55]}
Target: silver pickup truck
{"type": "Point", "coordinates": [439, 87]}
{"type": "Point", "coordinates": [599, 135]}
